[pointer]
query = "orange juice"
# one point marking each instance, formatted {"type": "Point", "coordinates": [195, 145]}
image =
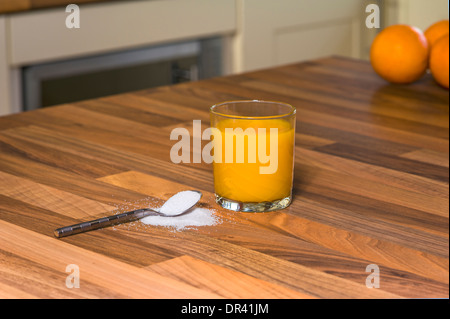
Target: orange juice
{"type": "Point", "coordinates": [259, 168]}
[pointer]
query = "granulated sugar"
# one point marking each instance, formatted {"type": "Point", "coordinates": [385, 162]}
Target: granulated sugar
{"type": "Point", "coordinates": [177, 204]}
{"type": "Point", "coordinates": [196, 217]}
{"type": "Point", "coordinates": [180, 202]}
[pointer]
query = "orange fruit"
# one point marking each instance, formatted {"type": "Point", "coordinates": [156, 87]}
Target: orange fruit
{"type": "Point", "coordinates": [439, 64]}
{"type": "Point", "coordinates": [399, 54]}
{"type": "Point", "coordinates": [436, 31]}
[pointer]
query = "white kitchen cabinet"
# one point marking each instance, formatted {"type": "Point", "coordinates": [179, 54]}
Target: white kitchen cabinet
{"type": "Point", "coordinates": [4, 67]}
{"type": "Point", "coordinates": [41, 36]}
{"type": "Point", "coordinates": [284, 31]}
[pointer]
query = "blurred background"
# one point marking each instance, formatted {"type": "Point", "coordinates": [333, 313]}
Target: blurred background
{"type": "Point", "coordinates": [122, 46]}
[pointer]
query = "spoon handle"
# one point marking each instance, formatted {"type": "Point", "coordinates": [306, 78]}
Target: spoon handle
{"type": "Point", "coordinates": [104, 222]}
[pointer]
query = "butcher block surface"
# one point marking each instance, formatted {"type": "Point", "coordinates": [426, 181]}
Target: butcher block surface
{"type": "Point", "coordinates": [370, 188]}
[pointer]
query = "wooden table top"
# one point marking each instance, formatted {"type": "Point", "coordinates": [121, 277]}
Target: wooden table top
{"type": "Point", "coordinates": [371, 188]}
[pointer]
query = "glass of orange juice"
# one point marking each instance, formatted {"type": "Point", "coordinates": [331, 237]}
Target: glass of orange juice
{"type": "Point", "coordinates": [253, 154]}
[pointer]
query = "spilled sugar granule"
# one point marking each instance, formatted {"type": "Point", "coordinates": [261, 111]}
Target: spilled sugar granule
{"type": "Point", "coordinates": [177, 204]}
{"type": "Point", "coordinates": [195, 218]}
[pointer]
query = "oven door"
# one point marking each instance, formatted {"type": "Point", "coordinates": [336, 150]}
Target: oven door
{"type": "Point", "coordinates": [95, 76]}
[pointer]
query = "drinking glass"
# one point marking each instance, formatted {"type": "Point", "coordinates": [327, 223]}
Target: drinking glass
{"type": "Point", "coordinates": [253, 154]}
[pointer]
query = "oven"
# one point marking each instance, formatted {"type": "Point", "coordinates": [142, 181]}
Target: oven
{"type": "Point", "coordinates": [90, 77]}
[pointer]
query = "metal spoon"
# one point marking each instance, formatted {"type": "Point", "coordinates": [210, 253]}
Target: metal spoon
{"type": "Point", "coordinates": [118, 219]}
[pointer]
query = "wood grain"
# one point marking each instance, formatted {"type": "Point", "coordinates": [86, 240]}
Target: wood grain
{"type": "Point", "coordinates": [242, 228]}
{"type": "Point", "coordinates": [228, 283]}
{"type": "Point", "coordinates": [14, 5]}
{"type": "Point", "coordinates": [371, 186]}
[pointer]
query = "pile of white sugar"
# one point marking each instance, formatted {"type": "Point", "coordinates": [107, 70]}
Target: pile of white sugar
{"type": "Point", "coordinates": [178, 203]}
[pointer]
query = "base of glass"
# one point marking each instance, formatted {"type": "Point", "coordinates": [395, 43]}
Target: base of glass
{"type": "Point", "coordinates": [253, 207]}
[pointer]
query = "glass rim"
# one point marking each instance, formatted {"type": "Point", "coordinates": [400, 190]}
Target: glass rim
{"type": "Point", "coordinates": [293, 110]}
